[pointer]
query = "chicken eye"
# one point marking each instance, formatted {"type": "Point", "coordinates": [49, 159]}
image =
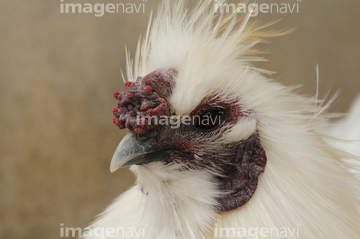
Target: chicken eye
{"type": "Point", "coordinates": [210, 119]}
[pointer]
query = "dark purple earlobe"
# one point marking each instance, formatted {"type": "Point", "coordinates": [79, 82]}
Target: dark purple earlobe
{"type": "Point", "coordinates": [241, 174]}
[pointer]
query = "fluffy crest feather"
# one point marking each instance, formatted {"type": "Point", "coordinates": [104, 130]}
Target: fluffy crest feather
{"type": "Point", "coordinates": [189, 25]}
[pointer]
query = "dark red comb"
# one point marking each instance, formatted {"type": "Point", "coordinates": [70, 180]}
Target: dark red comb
{"type": "Point", "coordinates": [146, 97]}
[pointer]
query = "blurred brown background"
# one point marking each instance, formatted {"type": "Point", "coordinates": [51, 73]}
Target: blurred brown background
{"type": "Point", "coordinates": [58, 74]}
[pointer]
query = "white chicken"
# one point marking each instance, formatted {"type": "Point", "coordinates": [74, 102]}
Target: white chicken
{"type": "Point", "coordinates": [218, 149]}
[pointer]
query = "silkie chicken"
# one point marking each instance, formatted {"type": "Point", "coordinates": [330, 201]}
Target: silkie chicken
{"type": "Point", "coordinates": [218, 149]}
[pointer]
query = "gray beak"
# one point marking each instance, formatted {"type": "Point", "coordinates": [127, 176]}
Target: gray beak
{"type": "Point", "coordinates": [130, 151]}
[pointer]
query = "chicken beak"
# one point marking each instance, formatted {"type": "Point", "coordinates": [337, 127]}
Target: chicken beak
{"type": "Point", "coordinates": [131, 151]}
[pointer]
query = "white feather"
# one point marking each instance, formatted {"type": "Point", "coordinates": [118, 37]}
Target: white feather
{"type": "Point", "coordinates": [345, 133]}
